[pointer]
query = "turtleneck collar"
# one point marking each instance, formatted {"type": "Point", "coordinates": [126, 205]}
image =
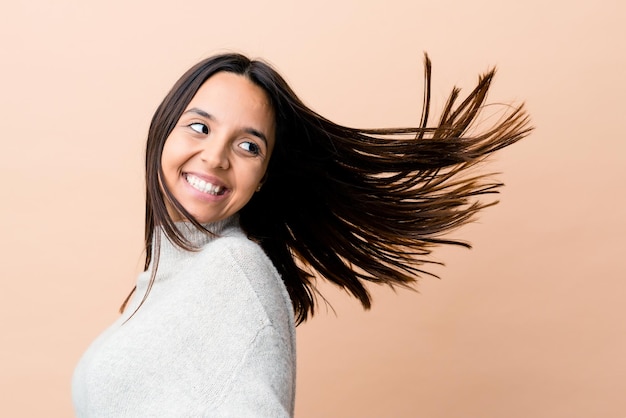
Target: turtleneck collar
{"type": "Point", "coordinates": [198, 237]}
{"type": "Point", "coordinates": [170, 255]}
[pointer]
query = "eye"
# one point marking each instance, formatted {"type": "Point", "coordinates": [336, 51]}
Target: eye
{"type": "Point", "coordinates": [250, 147]}
{"type": "Point", "coordinates": [201, 128]}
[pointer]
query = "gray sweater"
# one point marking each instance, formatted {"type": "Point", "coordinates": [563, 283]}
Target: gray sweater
{"type": "Point", "coordinates": [214, 338]}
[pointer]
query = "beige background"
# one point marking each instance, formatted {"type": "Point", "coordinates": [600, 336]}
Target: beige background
{"type": "Point", "coordinates": [530, 323]}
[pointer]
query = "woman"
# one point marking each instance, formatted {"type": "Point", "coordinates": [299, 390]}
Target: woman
{"type": "Point", "coordinates": [250, 195]}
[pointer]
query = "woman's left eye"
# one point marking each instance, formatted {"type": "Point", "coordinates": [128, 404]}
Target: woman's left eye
{"type": "Point", "coordinates": [250, 147]}
{"type": "Point", "coordinates": [201, 128]}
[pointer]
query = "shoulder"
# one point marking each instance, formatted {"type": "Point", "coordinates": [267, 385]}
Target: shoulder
{"type": "Point", "coordinates": [247, 265]}
{"type": "Point", "coordinates": [248, 253]}
{"type": "Point", "coordinates": [246, 257]}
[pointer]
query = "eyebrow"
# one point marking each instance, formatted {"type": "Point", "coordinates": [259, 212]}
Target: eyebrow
{"type": "Point", "coordinates": [248, 130]}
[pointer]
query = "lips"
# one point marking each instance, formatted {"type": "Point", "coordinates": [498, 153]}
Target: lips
{"type": "Point", "coordinates": [204, 186]}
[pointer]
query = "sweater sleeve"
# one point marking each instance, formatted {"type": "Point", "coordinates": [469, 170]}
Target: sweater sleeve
{"type": "Point", "coordinates": [263, 384]}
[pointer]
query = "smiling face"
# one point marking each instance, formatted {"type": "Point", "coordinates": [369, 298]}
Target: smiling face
{"type": "Point", "coordinates": [215, 158]}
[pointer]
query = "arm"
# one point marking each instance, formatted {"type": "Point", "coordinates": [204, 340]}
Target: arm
{"type": "Point", "coordinates": [263, 386]}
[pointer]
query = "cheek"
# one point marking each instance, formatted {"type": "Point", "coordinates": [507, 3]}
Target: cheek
{"type": "Point", "coordinates": [166, 154]}
{"type": "Point", "coordinates": [171, 155]}
{"type": "Point", "coordinates": [251, 177]}
{"type": "Point", "coordinates": [169, 164]}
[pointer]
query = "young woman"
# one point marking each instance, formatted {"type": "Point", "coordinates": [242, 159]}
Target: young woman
{"type": "Point", "coordinates": [250, 195]}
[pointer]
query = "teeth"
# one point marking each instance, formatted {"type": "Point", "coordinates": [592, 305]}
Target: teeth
{"type": "Point", "coordinates": [203, 186]}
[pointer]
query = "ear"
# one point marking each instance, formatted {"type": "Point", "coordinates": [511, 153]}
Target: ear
{"type": "Point", "coordinates": [258, 189]}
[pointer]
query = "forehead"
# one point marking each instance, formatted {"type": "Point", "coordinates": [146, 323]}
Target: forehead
{"type": "Point", "coordinates": [232, 92]}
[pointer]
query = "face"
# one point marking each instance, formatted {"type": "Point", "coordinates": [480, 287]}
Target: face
{"type": "Point", "coordinates": [217, 155]}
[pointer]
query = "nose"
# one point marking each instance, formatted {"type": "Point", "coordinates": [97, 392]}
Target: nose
{"type": "Point", "coordinates": [215, 153]}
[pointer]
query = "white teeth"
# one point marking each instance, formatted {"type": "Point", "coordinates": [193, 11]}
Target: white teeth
{"type": "Point", "coordinates": [203, 186]}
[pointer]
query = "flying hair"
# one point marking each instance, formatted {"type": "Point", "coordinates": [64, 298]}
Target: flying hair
{"type": "Point", "coordinates": [348, 205]}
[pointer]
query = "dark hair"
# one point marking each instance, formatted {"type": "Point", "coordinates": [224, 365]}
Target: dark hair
{"type": "Point", "coordinates": [349, 205]}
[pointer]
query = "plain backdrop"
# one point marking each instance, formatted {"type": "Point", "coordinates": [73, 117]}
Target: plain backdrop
{"type": "Point", "coordinates": [529, 323]}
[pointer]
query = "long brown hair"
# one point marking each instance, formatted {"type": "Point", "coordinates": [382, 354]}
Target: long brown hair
{"type": "Point", "coordinates": [349, 205]}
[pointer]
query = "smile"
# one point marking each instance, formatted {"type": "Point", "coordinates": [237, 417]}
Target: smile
{"type": "Point", "coordinates": [203, 186]}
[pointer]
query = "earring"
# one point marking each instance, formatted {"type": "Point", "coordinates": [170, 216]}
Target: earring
{"type": "Point", "coordinates": [258, 189]}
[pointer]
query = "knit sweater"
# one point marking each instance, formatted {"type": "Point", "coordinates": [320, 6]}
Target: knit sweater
{"type": "Point", "coordinates": [214, 338]}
